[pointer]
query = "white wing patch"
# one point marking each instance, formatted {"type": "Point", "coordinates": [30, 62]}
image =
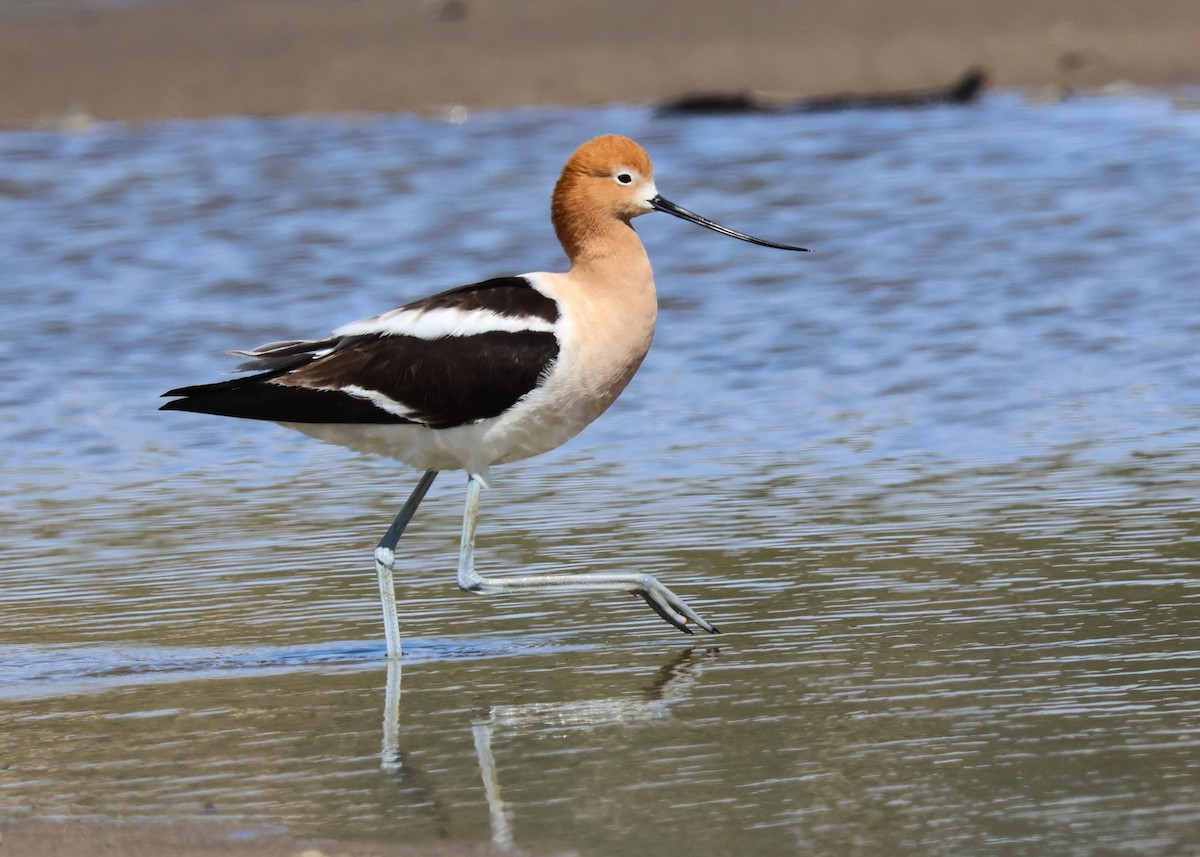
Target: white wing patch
{"type": "Point", "coordinates": [379, 400]}
{"type": "Point", "coordinates": [442, 322]}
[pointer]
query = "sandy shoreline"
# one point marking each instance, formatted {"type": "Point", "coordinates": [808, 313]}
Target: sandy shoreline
{"type": "Point", "coordinates": [270, 57]}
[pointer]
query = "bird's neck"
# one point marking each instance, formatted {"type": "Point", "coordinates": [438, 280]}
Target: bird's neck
{"type": "Point", "coordinates": [608, 250]}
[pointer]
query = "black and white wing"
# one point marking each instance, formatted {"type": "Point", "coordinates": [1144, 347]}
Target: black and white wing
{"type": "Point", "coordinates": [455, 358]}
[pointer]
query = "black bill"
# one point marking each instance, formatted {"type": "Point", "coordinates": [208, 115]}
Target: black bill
{"type": "Point", "coordinates": [660, 204]}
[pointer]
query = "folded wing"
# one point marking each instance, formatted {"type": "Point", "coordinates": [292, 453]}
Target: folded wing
{"type": "Point", "coordinates": [456, 358]}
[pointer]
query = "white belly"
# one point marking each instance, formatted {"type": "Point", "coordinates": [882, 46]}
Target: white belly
{"type": "Point", "coordinates": [542, 421]}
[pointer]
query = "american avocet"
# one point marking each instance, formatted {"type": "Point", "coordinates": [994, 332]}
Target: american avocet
{"type": "Point", "coordinates": [487, 373]}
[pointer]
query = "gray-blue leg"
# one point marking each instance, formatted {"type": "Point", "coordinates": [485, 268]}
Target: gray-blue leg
{"type": "Point", "coordinates": [661, 600]}
{"type": "Point", "coordinates": [385, 559]}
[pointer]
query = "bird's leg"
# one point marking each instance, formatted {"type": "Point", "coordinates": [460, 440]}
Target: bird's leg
{"type": "Point", "coordinates": [662, 601]}
{"type": "Point", "coordinates": [385, 559]}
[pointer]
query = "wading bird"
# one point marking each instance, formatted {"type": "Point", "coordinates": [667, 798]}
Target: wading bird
{"type": "Point", "coordinates": [488, 373]}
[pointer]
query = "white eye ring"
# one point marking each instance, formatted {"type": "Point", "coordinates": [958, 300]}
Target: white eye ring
{"type": "Point", "coordinates": [623, 178]}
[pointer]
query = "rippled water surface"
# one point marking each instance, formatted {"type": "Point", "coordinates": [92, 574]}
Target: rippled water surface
{"type": "Point", "coordinates": [937, 482]}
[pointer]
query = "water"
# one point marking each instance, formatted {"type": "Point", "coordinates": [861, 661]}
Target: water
{"type": "Point", "coordinates": [937, 482]}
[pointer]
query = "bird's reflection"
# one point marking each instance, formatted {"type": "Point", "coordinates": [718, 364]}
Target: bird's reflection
{"type": "Point", "coordinates": [410, 782]}
{"type": "Point", "coordinates": [673, 682]}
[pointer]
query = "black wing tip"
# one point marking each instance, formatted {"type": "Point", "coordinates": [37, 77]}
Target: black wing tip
{"type": "Point", "coordinates": [180, 404]}
{"type": "Point", "coordinates": [185, 400]}
{"type": "Point", "coordinates": [183, 395]}
{"type": "Point", "coordinates": [250, 399]}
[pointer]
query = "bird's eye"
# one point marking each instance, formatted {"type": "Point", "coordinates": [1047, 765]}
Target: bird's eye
{"type": "Point", "coordinates": [624, 178]}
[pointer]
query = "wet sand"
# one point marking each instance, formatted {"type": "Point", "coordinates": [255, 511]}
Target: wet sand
{"type": "Point", "coordinates": [269, 57]}
{"type": "Point", "coordinates": [86, 838]}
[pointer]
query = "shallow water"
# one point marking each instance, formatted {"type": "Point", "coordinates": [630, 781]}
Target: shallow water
{"type": "Point", "coordinates": [936, 481]}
